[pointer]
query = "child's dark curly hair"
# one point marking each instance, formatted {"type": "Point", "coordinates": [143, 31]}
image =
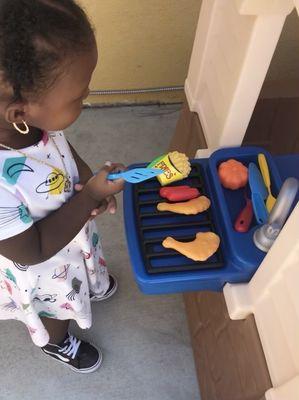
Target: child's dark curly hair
{"type": "Point", "coordinates": [36, 37]}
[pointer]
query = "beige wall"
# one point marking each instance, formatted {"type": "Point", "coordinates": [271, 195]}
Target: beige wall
{"type": "Point", "coordinates": [142, 43]}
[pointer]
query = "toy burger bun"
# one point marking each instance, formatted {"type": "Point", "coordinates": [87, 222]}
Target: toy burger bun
{"type": "Point", "coordinates": [233, 174]}
{"type": "Point", "coordinates": [176, 166]}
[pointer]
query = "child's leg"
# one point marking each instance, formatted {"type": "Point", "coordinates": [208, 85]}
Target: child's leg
{"type": "Point", "coordinates": [56, 328]}
{"type": "Point", "coordinates": [78, 355]}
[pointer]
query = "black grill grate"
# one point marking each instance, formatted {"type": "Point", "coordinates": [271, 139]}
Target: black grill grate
{"type": "Point", "coordinates": [154, 226]}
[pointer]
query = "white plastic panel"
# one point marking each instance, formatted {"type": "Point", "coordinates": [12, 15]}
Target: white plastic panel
{"type": "Point", "coordinates": [233, 47]}
{"type": "Point", "coordinates": [258, 7]}
{"type": "Point", "coordinates": [229, 62]}
{"type": "Point", "coordinates": [272, 296]}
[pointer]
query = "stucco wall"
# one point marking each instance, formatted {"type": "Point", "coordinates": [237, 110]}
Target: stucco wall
{"type": "Point", "coordinates": [142, 43]}
{"type": "Point", "coordinates": [148, 43]}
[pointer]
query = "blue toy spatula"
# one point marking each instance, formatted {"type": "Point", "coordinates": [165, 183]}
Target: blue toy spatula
{"type": "Point", "coordinates": [258, 194]}
{"type": "Point", "coordinates": [136, 175]}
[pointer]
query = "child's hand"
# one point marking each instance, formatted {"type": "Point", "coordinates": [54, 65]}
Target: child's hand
{"type": "Point", "coordinates": [109, 204]}
{"type": "Point", "coordinates": [100, 188]}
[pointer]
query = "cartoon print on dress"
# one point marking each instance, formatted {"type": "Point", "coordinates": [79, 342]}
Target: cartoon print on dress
{"type": "Point", "coordinates": [11, 306]}
{"type": "Point", "coordinates": [95, 239]}
{"type": "Point", "coordinates": [5, 285]}
{"type": "Point", "coordinates": [76, 285]}
{"type": "Point", "coordinates": [91, 271]}
{"type": "Point", "coordinates": [45, 298]}
{"type": "Point", "coordinates": [86, 255]}
{"type": "Point", "coordinates": [46, 314]}
{"type": "Point", "coordinates": [54, 183]}
{"type": "Point", "coordinates": [21, 267]}
{"type": "Point", "coordinates": [9, 275]}
{"type": "Point", "coordinates": [13, 167]}
{"type": "Point", "coordinates": [67, 306]}
{"type": "Point", "coordinates": [8, 287]}
{"type": "Point", "coordinates": [102, 262]}
{"type": "Point", "coordinates": [24, 214]}
{"type": "Point", "coordinates": [31, 330]}
{"type": "Point", "coordinates": [61, 273]}
{"type": "Point", "coordinates": [10, 214]}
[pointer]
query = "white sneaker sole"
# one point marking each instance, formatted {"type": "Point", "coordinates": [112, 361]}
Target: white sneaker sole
{"type": "Point", "coordinates": [96, 299]}
{"type": "Point", "coordinates": [79, 371]}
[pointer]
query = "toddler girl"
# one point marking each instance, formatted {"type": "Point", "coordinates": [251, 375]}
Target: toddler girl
{"type": "Point", "coordinates": [51, 262]}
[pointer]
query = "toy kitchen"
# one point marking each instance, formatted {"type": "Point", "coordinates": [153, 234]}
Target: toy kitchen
{"type": "Point", "coordinates": [237, 233]}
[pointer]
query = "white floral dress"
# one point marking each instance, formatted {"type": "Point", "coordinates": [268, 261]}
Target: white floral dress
{"type": "Point", "coordinates": [59, 287]}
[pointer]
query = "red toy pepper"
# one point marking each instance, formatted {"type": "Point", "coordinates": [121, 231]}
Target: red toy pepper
{"type": "Point", "coordinates": [179, 193]}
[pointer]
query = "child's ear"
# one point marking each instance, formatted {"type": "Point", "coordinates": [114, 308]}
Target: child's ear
{"type": "Point", "coordinates": [15, 113]}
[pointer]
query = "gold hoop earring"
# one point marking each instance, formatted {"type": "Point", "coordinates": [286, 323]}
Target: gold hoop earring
{"type": "Point", "coordinates": [23, 132]}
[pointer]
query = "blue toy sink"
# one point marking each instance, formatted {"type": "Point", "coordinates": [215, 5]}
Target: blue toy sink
{"type": "Point", "coordinates": [158, 270]}
{"type": "Point", "coordinates": [242, 251]}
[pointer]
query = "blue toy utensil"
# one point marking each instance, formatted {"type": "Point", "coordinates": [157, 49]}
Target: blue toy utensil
{"type": "Point", "coordinates": [136, 175]}
{"type": "Point", "coordinates": [258, 194]}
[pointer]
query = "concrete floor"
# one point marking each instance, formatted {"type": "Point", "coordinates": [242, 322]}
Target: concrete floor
{"type": "Point", "coordinates": [145, 340]}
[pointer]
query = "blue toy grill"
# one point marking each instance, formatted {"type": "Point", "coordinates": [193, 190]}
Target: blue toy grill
{"type": "Point", "coordinates": [158, 270]}
{"type": "Point", "coordinates": [154, 226]}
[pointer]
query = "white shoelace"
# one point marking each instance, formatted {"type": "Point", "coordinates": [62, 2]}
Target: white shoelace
{"type": "Point", "coordinates": [72, 347]}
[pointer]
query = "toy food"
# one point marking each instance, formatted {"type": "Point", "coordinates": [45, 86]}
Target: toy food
{"type": "Point", "coordinates": [179, 193]}
{"type": "Point", "coordinates": [200, 249]}
{"type": "Point", "coordinates": [244, 219]}
{"type": "Point", "coordinates": [176, 166]}
{"type": "Point", "coordinates": [266, 176]}
{"type": "Point", "coordinates": [191, 207]}
{"type": "Point", "coordinates": [233, 174]}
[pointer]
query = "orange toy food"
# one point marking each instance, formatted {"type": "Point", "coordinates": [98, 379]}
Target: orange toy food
{"type": "Point", "coordinates": [233, 174]}
{"type": "Point", "coordinates": [191, 207]}
{"type": "Point", "coordinates": [200, 249]}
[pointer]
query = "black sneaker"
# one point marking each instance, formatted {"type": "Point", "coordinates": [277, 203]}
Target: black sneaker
{"type": "Point", "coordinates": [110, 291]}
{"type": "Point", "coordinates": [79, 356]}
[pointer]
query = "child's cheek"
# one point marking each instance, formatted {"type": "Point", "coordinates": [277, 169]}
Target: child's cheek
{"type": "Point", "coordinates": [69, 117]}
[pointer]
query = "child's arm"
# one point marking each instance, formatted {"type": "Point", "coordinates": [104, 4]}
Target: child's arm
{"type": "Point", "coordinates": [85, 173]}
{"type": "Point", "coordinates": [49, 235]}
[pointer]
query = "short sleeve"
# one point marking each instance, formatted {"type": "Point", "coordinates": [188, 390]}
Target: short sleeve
{"type": "Point", "coordinates": [14, 215]}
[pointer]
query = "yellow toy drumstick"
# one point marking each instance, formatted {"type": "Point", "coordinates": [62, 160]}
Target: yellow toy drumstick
{"type": "Point", "coordinates": [266, 176]}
